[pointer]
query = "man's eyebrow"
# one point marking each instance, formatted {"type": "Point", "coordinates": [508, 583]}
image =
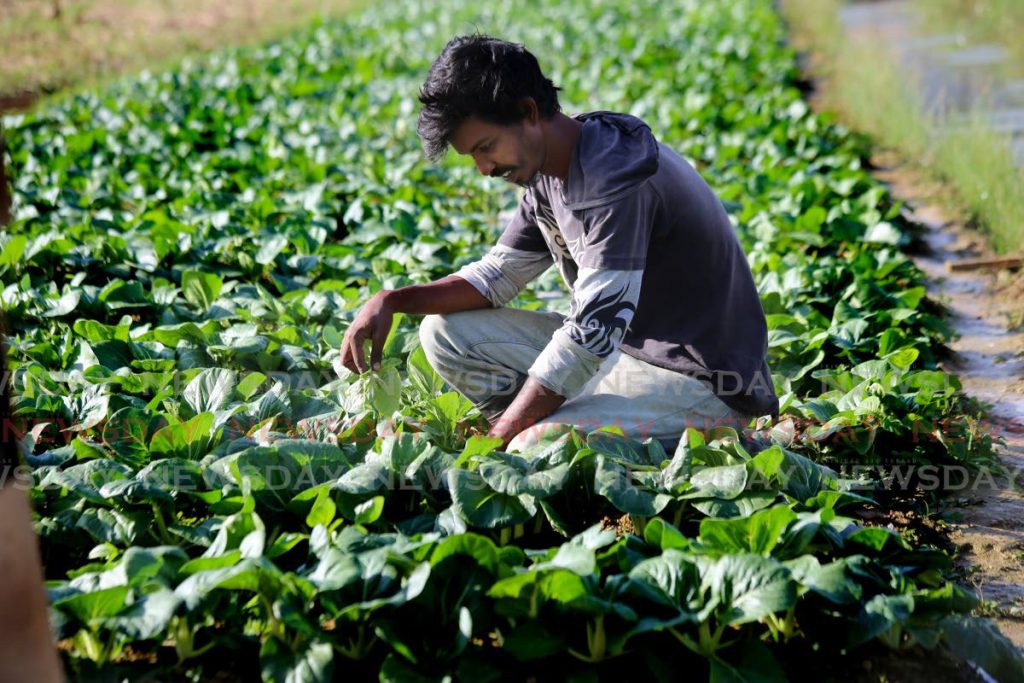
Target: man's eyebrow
{"type": "Point", "coordinates": [479, 142]}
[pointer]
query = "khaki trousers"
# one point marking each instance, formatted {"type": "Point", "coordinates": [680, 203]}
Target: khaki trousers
{"type": "Point", "coordinates": [485, 355]}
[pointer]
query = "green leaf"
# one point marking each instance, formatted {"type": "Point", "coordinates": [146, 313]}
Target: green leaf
{"type": "Point", "coordinates": [129, 431]}
{"type": "Point", "coordinates": [270, 248]}
{"type": "Point", "coordinates": [250, 384]}
{"type": "Point", "coordinates": [323, 510]}
{"type": "Point", "coordinates": [980, 641]}
{"type": "Point", "coordinates": [113, 354]}
{"type": "Point", "coordinates": [369, 511]}
{"type": "Point", "coordinates": [14, 247]}
{"type": "Point", "coordinates": [88, 607]}
{"type": "Point", "coordinates": [749, 662]}
{"type": "Point", "coordinates": [476, 445]}
{"type": "Point", "coordinates": [660, 533]}
{"type": "Point", "coordinates": [832, 580]}
{"type": "Point", "coordinates": [400, 451]}
{"type": "Point", "coordinates": [618, 448]}
{"type": "Point", "coordinates": [884, 233]}
{"type": "Point", "coordinates": [749, 587]}
{"type": "Point", "coordinates": [451, 406]}
{"type": "Point", "coordinates": [377, 390]}
{"type": "Point", "coordinates": [903, 358]}
{"type": "Point", "coordinates": [90, 407]}
{"type": "Point", "coordinates": [614, 482]}
{"type": "Point", "coordinates": [483, 507]}
{"type": "Point", "coordinates": [532, 640]}
{"type": "Point", "coordinates": [210, 390]}
{"type": "Point", "coordinates": [674, 578]}
{"type": "Point", "coordinates": [427, 382]}
{"type": "Point", "coordinates": [725, 482]}
{"type": "Point", "coordinates": [147, 618]}
{"type": "Point", "coordinates": [188, 440]}
{"type": "Point", "coordinates": [515, 475]}
{"type": "Point", "coordinates": [759, 533]}
{"type": "Point", "coordinates": [200, 289]}
{"type": "Point", "coordinates": [65, 304]}
{"type": "Point", "coordinates": [171, 335]}
{"type": "Point", "coordinates": [309, 662]}
{"type": "Point", "coordinates": [251, 574]}
{"type": "Point", "coordinates": [880, 614]}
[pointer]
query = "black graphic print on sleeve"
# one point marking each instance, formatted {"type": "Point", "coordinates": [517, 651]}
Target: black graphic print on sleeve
{"type": "Point", "coordinates": [603, 304]}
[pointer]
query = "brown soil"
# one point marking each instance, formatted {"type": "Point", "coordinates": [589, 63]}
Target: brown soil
{"type": "Point", "coordinates": [911, 666]}
{"type": "Point", "coordinates": [16, 101]}
{"type": "Point", "coordinates": [622, 526]}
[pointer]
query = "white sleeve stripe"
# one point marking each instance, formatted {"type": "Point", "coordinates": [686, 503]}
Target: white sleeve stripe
{"type": "Point", "coordinates": [503, 272]}
{"type": "Point", "coordinates": [564, 366]}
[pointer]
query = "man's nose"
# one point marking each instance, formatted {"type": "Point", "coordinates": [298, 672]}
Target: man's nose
{"type": "Point", "coordinates": [486, 167]}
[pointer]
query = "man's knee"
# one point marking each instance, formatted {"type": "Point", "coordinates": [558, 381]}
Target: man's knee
{"type": "Point", "coordinates": [430, 327]}
{"type": "Point", "coordinates": [439, 337]}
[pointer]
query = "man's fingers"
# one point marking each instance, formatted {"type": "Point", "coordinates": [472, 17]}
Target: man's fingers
{"type": "Point", "coordinates": [352, 356]}
{"type": "Point", "coordinates": [346, 357]}
{"type": "Point", "coordinates": [380, 335]}
{"type": "Point", "coordinates": [358, 353]}
{"type": "Point", "coordinates": [346, 352]}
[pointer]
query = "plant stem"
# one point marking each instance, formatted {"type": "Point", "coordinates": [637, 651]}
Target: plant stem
{"type": "Point", "coordinates": [161, 526]}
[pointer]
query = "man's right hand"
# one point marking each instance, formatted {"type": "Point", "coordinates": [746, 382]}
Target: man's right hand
{"type": "Point", "coordinates": [373, 322]}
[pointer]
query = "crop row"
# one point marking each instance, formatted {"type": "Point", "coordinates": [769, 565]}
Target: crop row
{"type": "Point", "coordinates": [189, 247]}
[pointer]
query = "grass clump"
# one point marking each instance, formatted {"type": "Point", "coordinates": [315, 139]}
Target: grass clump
{"type": "Point", "coordinates": [873, 94]}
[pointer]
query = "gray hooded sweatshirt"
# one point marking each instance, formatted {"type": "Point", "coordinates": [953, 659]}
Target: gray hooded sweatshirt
{"type": "Point", "coordinates": [651, 259]}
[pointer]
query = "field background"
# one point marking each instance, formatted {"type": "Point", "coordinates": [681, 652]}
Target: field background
{"type": "Point", "coordinates": [188, 245]}
{"type": "Point", "coordinates": [51, 45]}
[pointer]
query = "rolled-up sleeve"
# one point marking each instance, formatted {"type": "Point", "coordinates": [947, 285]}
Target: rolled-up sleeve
{"type": "Point", "coordinates": [503, 272]}
{"type": "Point", "coordinates": [520, 256]}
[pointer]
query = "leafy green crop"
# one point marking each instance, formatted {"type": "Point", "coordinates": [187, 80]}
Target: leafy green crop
{"type": "Point", "coordinates": [189, 248]}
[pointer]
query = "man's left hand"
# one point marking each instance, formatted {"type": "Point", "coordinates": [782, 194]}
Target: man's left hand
{"type": "Point", "coordinates": [533, 403]}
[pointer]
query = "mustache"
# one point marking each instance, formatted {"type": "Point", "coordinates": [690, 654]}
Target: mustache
{"type": "Point", "coordinates": [498, 172]}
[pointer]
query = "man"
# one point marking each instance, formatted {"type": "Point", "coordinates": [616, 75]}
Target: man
{"type": "Point", "coordinates": [665, 329]}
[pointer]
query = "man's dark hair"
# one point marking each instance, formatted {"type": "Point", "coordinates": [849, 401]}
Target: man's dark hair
{"type": "Point", "coordinates": [484, 77]}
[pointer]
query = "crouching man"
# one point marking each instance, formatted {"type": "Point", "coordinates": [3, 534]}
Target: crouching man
{"type": "Point", "coordinates": [665, 330]}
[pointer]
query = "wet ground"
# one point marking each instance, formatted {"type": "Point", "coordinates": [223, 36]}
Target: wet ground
{"type": "Point", "coordinates": [987, 314]}
{"type": "Point", "coordinates": [955, 77]}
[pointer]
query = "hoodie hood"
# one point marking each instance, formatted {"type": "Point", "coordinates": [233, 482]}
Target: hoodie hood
{"type": "Point", "coordinates": [613, 157]}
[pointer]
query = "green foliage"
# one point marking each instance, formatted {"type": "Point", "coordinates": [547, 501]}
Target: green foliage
{"type": "Point", "coordinates": [189, 249]}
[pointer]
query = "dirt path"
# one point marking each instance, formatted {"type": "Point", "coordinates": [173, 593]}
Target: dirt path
{"type": "Point", "coordinates": [987, 312]}
{"type": "Point", "coordinates": [50, 45]}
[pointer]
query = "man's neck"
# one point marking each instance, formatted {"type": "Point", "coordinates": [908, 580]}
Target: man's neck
{"type": "Point", "coordinates": [560, 137]}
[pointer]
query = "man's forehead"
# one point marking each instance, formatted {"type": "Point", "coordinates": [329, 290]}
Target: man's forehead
{"type": "Point", "coordinates": [472, 132]}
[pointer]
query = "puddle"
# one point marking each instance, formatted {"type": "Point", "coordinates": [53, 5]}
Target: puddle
{"type": "Point", "coordinates": [952, 75]}
{"type": "Point", "coordinates": [980, 55]}
{"type": "Point", "coordinates": [1018, 150]}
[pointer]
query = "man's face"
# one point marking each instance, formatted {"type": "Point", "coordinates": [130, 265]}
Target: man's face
{"type": "Point", "coordinates": [514, 152]}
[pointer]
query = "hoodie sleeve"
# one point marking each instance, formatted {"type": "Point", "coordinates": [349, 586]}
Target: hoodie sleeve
{"type": "Point", "coordinates": [605, 294]}
{"type": "Point", "coordinates": [520, 256]}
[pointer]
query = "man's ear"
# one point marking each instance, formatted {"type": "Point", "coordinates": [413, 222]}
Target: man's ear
{"type": "Point", "coordinates": [528, 108]}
